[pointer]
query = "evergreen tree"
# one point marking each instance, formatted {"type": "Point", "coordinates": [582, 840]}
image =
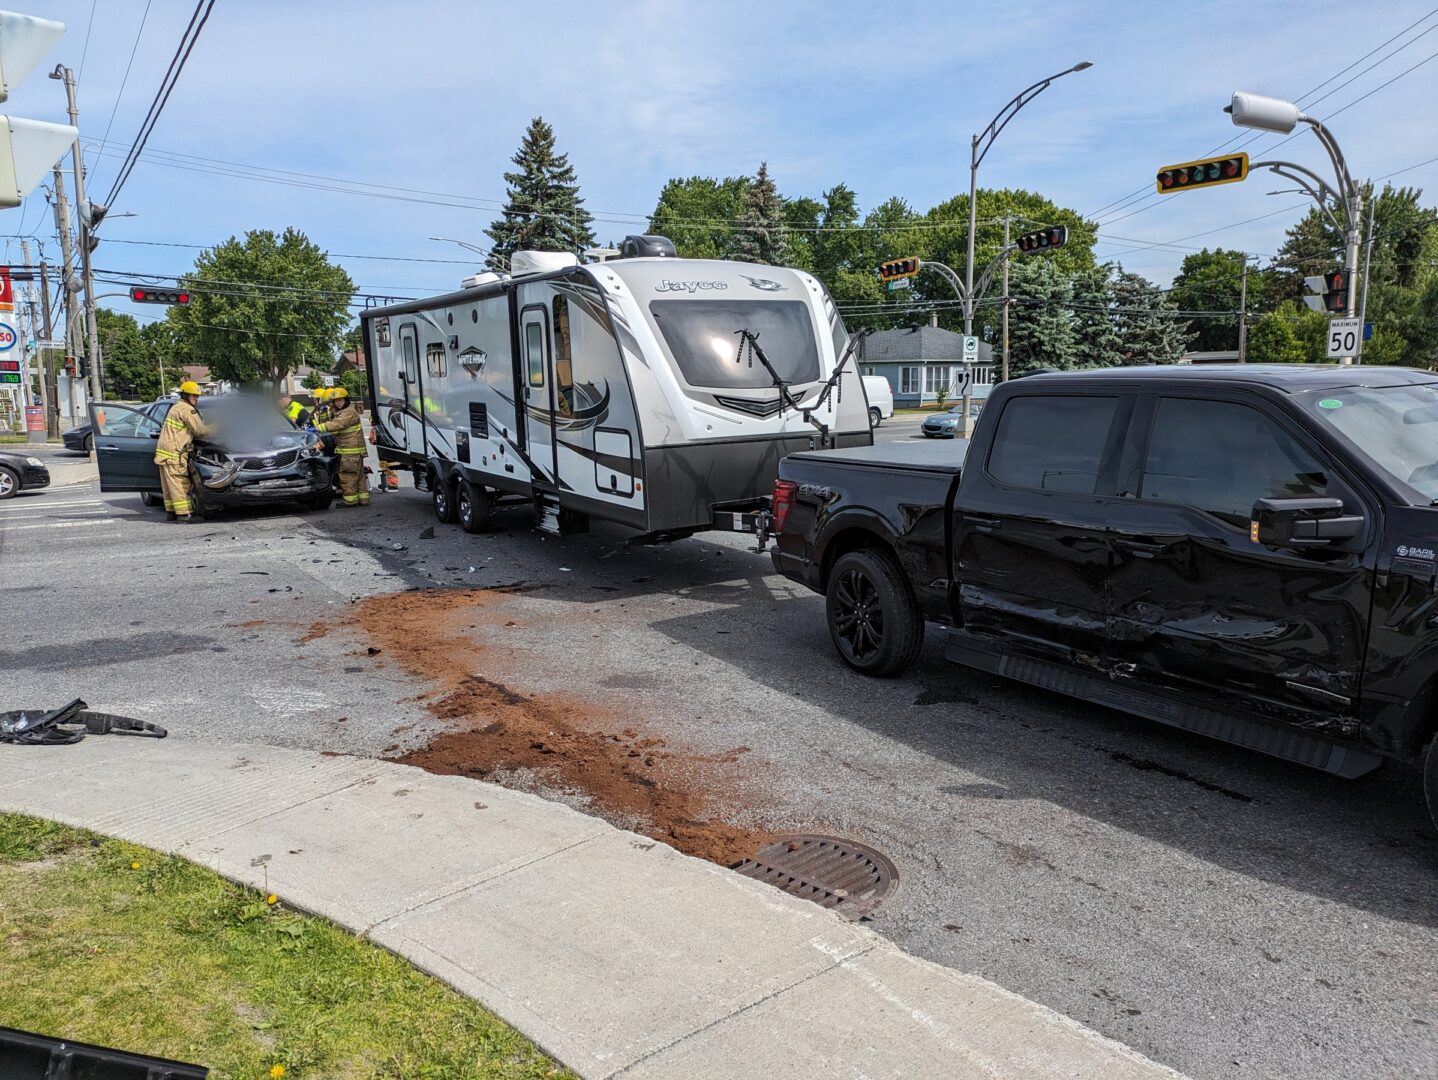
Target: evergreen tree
{"type": "Point", "coordinates": [1273, 341]}
{"type": "Point", "coordinates": [543, 210]}
{"type": "Point", "coordinates": [1149, 330]}
{"type": "Point", "coordinates": [762, 236]}
{"type": "Point", "coordinates": [1041, 330]}
{"type": "Point", "coordinates": [1097, 340]}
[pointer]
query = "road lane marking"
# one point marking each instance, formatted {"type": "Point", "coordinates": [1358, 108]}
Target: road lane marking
{"type": "Point", "coordinates": [63, 524]}
{"type": "Point", "coordinates": [29, 504]}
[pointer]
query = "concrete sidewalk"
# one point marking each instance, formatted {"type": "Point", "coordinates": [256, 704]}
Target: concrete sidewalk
{"type": "Point", "coordinates": [617, 954]}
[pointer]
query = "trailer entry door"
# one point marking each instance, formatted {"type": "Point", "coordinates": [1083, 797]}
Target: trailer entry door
{"type": "Point", "coordinates": [411, 435]}
{"type": "Point", "coordinates": [539, 394]}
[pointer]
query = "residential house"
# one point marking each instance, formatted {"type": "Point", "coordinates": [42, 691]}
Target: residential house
{"type": "Point", "coordinates": [919, 360]}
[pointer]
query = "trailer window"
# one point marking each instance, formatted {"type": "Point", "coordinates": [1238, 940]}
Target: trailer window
{"type": "Point", "coordinates": [534, 351]}
{"type": "Point", "coordinates": [435, 359]}
{"type": "Point", "coordinates": [411, 358]}
{"type": "Point", "coordinates": [703, 336]}
{"type": "Point", "coordinates": [563, 357]}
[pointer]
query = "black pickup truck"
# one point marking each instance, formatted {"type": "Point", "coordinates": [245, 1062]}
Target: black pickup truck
{"type": "Point", "coordinates": [1248, 552]}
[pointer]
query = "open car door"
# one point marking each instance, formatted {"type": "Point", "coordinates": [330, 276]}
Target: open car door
{"type": "Point", "coordinates": [125, 439]}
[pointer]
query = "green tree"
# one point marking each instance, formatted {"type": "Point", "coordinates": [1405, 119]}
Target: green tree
{"type": "Point", "coordinates": [313, 381]}
{"type": "Point", "coordinates": [354, 380]}
{"type": "Point", "coordinates": [1041, 330]}
{"type": "Point", "coordinates": [699, 214]}
{"type": "Point", "coordinates": [1312, 246]}
{"type": "Point", "coordinates": [262, 306]}
{"type": "Point", "coordinates": [131, 370]}
{"type": "Point", "coordinates": [1273, 340]}
{"type": "Point", "coordinates": [1096, 336]}
{"type": "Point", "coordinates": [543, 210]}
{"type": "Point", "coordinates": [1212, 281]}
{"type": "Point", "coordinates": [1148, 330]}
{"type": "Point", "coordinates": [762, 236]}
{"type": "Point", "coordinates": [801, 222]}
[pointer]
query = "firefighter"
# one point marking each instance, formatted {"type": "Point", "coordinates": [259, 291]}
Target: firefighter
{"type": "Point", "coordinates": [345, 423]}
{"type": "Point", "coordinates": [295, 411]}
{"type": "Point", "coordinates": [183, 425]}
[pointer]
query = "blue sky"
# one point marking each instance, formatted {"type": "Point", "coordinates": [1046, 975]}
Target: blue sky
{"type": "Point", "coordinates": [433, 97]}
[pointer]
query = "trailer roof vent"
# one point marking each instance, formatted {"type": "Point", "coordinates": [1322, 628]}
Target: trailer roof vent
{"type": "Point", "coordinates": [539, 262]}
{"type": "Point", "coordinates": [484, 277]}
{"type": "Point", "coordinates": [647, 247]}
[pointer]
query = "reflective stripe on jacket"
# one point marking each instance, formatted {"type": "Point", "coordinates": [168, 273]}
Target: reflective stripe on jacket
{"type": "Point", "coordinates": [183, 425]}
{"type": "Point", "coordinates": [347, 429]}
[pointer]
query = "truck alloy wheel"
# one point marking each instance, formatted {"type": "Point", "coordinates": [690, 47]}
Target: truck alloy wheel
{"type": "Point", "coordinates": [875, 624]}
{"type": "Point", "coordinates": [443, 495]}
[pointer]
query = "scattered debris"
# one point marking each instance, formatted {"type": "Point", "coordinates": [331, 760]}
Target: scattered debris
{"type": "Point", "coordinates": [427, 534]}
{"type": "Point", "coordinates": [69, 724]}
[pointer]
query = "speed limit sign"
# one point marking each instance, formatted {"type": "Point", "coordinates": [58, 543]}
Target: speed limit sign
{"type": "Point", "coordinates": [1343, 337]}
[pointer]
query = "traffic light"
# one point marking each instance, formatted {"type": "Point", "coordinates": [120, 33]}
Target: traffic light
{"type": "Point", "coordinates": [70, 367]}
{"type": "Point", "coordinates": [28, 148]}
{"type": "Point", "coordinates": [899, 268]}
{"type": "Point", "coordinates": [1206, 173]}
{"type": "Point", "coordinates": [1331, 291]}
{"type": "Point", "coordinates": [143, 294]}
{"type": "Point", "coordinates": [1053, 237]}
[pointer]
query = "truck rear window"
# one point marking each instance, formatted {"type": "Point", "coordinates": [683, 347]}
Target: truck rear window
{"type": "Point", "coordinates": [703, 336]}
{"type": "Point", "coordinates": [1052, 443]}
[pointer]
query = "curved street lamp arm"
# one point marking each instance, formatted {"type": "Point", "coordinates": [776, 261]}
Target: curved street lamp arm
{"type": "Point", "coordinates": [947, 274]}
{"type": "Point", "coordinates": [1340, 166]}
{"type": "Point", "coordinates": [1308, 182]}
{"type": "Point", "coordinates": [988, 275]}
{"type": "Point", "coordinates": [1009, 111]}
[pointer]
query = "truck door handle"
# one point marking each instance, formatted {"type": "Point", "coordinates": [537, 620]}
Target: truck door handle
{"type": "Point", "coordinates": [984, 524]}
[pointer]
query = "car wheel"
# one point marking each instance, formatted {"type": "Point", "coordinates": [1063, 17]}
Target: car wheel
{"type": "Point", "coordinates": [875, 418]}
{"type": "Point", "coordinates": [149, 498]}
{"type": "Point", "coordinates": [9, 484]}
{"type": "Point", "coordinates": [472, 506]}
{"type": "Point", "coordinates": [322, 500]}
{"type": "Point", "coordinates": [88, 446]}
{"type": "Point", "coordinates": [875, 624]}
{"type": "Point", "coordinates": [442, 493]}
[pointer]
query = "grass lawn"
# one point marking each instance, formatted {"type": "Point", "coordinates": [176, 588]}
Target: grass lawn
{"type": "Point", "coordinates": [108, 943]}
{"type": "Point", "coordinates": [10, 440]}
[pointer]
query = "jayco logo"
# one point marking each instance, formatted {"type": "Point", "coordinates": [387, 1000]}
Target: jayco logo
{"type": "Point", "coordinates": [689, 286]}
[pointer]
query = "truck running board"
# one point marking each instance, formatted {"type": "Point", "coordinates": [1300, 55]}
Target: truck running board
{"type": "Point", "coordinates": [1296, 746]}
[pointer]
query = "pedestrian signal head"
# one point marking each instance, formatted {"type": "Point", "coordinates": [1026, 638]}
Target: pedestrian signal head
{"type": "Point", "coordinates": [189, 386]}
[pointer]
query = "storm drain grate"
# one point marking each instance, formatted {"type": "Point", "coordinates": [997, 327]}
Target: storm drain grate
{"type": "Point", "coordinates": [850, 878]}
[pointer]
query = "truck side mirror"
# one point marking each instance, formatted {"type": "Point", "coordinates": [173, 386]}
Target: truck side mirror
{"type": "Point", "coordinates": [1302, 522]}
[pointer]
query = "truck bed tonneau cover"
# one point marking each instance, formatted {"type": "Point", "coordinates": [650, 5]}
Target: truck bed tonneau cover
{"type": "Point", "coordinates": [926, 456]}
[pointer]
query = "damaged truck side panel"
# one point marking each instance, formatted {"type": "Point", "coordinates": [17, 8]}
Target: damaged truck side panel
{"type": "Point", "coordinates": [1247, 552]}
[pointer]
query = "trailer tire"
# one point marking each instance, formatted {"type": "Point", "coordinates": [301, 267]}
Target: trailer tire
{"type": "Point", "coordinates": [873, 619]}
{"type": "Point", "coordinates": [875, 417]}
{"type": "Point", "coordinates": [472, 506]}
{"type": "Point", "coordinates": [442, 494]}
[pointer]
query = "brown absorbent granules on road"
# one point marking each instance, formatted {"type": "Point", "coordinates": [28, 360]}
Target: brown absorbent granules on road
{"type": "Point", "coordinates": [635, 781]}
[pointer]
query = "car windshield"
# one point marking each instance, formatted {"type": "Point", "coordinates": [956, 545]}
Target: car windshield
{"type": "Point", "coordinates": [1396, 426]}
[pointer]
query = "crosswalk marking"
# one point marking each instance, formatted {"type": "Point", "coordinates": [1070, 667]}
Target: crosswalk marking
{"type": "Point", "coordinates": [63, 524]}
{"type": "Point", "coordinates": [36, 504]}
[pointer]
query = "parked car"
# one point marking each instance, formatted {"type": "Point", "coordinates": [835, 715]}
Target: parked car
{"type": "Point", "coordinates": [944, 425]}
{"type": "Point", "coordinates": [257, 457]}
{"type": "Point", "coordinates": [1247, 552]}
{"type": "Point", "coordinates": [881, 398]}
{"type": "Point", "coordinates": [79, 439]}
{"type": "Point", "coordinates": [21, 472]}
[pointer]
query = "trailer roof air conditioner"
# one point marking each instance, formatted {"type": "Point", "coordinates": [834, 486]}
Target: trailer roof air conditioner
{"type": "Point", "coordinates": [484, 277]}
{"type": "Point", "coordinates": [647, 247]}
{"type": "Point", "coordinates": [538, 262]}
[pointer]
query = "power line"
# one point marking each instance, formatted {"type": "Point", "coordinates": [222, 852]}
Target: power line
{"type": "Point", "coordinates": [123, 81]}
{"type": "Point", "coordinates": [162, 95]}
{"type": "Point", "coordinates": [381, 258]}
{"type": "Point", "coordinates": [85, 49]}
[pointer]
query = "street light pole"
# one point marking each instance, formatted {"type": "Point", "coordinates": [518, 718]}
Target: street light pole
{"type": "Point", "coordinates": [978, 148]}
{"type": "Point", "coordinates": [461, 243]}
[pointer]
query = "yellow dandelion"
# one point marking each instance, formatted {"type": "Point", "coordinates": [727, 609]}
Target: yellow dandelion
{"type": "Point", "coordinates": [276, 1071]}
{"type": "Point", "coordinates": [273, 899]}
{"type": "Point", "coordinates": [134, 866]}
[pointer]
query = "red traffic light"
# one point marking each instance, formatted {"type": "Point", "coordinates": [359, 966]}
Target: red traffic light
{"type": "Point", "coordinates": [146, 295]}
{"type": "Point", "coordinates": [1052, 237]}
{"type": "Point", "coordinates": [1221, 170]}
{"type": "Point", "coordinates": [899, 268]}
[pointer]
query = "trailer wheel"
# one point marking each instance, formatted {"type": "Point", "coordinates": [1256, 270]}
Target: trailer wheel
{"type": "Point", "coordinates": [875, 417]}
{"type": "Point", "coordinates": [472, 505]}
{"type": "Point", "coordinates": [875, 624]}
{"type": "Point", "coordinates": [443, 495]}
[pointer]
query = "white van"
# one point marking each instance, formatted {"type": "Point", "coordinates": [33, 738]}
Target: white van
{"type": "Point", "coordinates": [881, 398]}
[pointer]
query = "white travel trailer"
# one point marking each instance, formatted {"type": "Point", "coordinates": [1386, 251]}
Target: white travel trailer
{"type": "Point", "coordinates": [628, 390]}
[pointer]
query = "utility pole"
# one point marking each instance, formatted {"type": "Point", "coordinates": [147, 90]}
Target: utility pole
{"type": "Point", "coordinates": [1005, 373]}
{"type": "Point", "coordinates": [1367, 267]}
{"type": "Point", "coordinates": [67, 259]}
{"type": "Point", "coordinates": [92, 343]}
{"type": "Point", "coordinates": [1243, 313]}
{"type": "Point", "coordinates": [36, 355]}
{"type": "Point", "coordinates": [52, 385]}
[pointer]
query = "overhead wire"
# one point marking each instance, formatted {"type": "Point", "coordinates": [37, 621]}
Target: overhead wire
{"type": "Point", "coordinates": [124, 80]}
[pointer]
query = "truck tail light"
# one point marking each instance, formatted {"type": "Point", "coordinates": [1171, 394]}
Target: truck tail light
{"type": "Point", "coordinates": [786, 493]}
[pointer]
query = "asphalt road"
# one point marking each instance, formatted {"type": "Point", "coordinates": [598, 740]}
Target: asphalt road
{"type": "Point", "coordinates": [1224, 913]}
